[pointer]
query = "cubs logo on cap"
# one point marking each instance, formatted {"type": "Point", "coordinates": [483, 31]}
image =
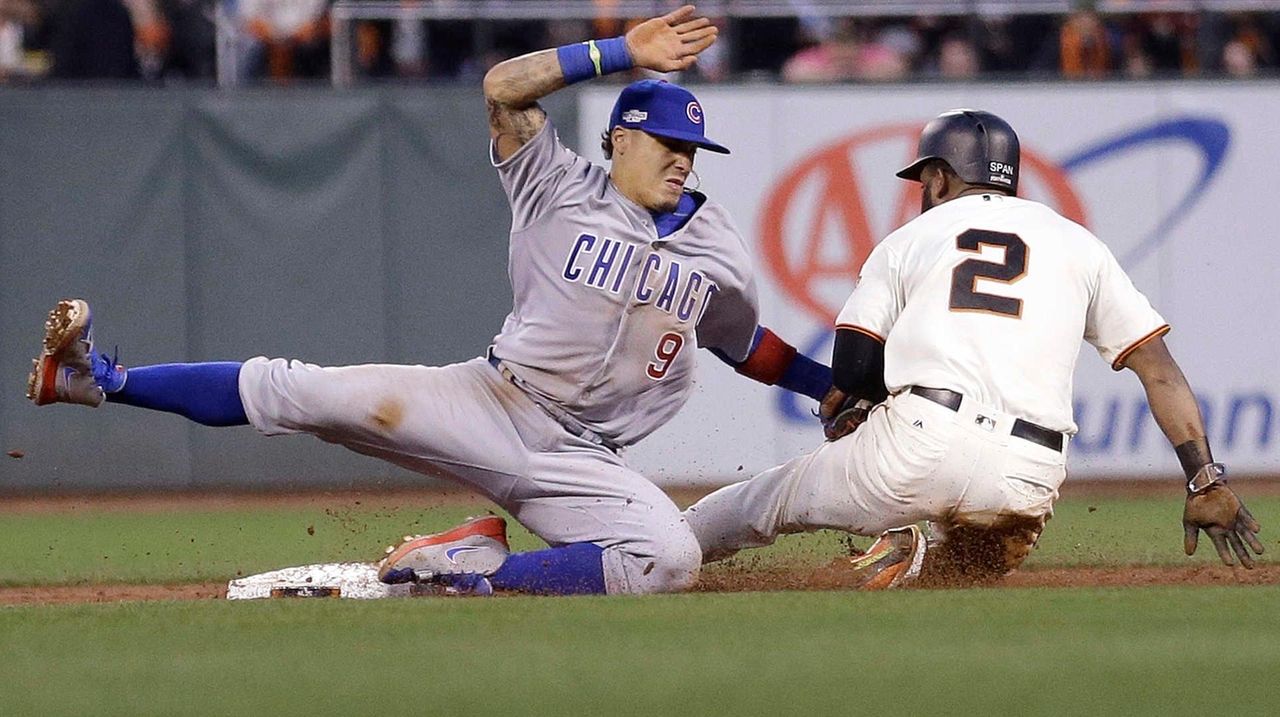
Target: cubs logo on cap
{"type": "Point", "coordinates": [663, 109]}
{"type": "Point", "coordinates": [694, 111]}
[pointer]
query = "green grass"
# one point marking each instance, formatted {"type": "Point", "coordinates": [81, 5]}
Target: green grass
{"type": "Point", "coordinates": [90, 546]}
{"type": "Point", "coordinates": [1155, 651]}
{"type": "Point", "coordinates": [1065, 651]}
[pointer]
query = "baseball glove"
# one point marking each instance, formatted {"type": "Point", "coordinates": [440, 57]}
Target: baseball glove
{"type": "Point", "coordinates": [841, 413]}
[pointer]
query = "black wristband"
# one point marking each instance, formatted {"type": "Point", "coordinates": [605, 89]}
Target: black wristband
{"type": "Point", "coordinates": [1194, 455]}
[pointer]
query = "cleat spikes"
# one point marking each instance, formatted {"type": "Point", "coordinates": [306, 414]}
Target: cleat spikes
{"type": "Point", "coordinates": [62, 372]}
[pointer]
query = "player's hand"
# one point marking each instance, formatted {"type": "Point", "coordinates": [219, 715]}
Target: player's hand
{"type": "Point", "coordinates": [841, 413]}
{"type": "Point", "coordinates": [1220, 514]}
{"type": "Point", "coordinates": [672, 42]}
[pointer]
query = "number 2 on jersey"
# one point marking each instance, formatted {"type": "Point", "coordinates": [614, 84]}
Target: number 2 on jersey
{"type": "Point", "coordinates": [964, 297]}
{"type": "Point", "coordinates": [665, 352]}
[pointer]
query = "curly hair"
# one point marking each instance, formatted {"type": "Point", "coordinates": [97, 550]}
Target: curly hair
{"type": "Point", "coordinates": [606, 144]}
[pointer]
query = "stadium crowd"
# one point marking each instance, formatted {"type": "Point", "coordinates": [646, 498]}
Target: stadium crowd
{"type": "Point", "coordinates": [285, 41]}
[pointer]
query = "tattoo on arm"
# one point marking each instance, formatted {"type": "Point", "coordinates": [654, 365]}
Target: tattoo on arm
{"type": "Point", "coordinates": [512, 90]}
{"type": "Point", "coordinates": [511, 129]}
{"type": "Point", "coordinates": [1193, 455]}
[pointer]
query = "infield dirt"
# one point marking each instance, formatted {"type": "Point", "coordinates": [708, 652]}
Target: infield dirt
{"type": "Point", "coordinates": [732, 576]}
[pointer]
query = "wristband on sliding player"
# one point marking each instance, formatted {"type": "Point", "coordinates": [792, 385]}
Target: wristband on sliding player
{"type": "Point", "coordinates": [593, 58]}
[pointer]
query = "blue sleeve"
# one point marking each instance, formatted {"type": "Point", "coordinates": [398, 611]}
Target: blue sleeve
{"type": "Point", "coordinates": [807, 377]}
{"type": "Point", "coordinates": [801, 374]}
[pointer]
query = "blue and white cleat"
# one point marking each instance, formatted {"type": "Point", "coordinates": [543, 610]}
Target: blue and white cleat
{"type": "Point", "coordinates": [64, 372]}
{"type": "Point", "coordinates": [457, 560]}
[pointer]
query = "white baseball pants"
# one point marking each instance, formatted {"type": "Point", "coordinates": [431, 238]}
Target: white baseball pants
{"type": "Point", "coordinates": [464, 422]}
{"type": "Point", "coordinates": [912, 460]}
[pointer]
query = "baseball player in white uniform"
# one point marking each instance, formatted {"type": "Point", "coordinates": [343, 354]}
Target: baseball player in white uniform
{"type": "Point", "coordinates": [963, 332]}
{"type": "Point", "coordinates": [616, 273]}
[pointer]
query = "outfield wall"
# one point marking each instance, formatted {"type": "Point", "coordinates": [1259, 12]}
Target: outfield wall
{"type": "Point", "coordinates": [338, 227]}
{"type": "Point", "coordinates": [366, 225]}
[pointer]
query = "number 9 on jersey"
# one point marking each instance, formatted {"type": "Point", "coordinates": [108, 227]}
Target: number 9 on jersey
{"type": "Point", "coordinates": [664, 354]}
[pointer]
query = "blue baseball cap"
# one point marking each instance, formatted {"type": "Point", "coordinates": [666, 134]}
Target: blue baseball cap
{"type": "Point", "coordinates": [660, 108]}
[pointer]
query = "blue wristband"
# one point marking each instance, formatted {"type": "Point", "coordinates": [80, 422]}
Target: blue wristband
{"type": "Point", "coordinates": [808, 377]}
{"type": "Point", "coordinates": [613, 55]}
{"type": "Point", "coordinates": [585, 60]}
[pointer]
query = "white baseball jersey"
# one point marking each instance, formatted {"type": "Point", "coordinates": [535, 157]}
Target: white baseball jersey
{"type": "Point", "coordinates": [990, 296]}
{"type": "Point", "coordinates": [985, 295]}
{"type": "Point", "coordinates": [606, 312]}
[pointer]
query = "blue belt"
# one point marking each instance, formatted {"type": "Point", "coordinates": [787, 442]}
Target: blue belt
{"type": "Point", "coordinates": [557, 414]}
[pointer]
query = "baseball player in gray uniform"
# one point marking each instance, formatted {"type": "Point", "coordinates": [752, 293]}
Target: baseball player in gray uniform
{"type": "Point", "coordinates": [617, 274]}
{"type": "Point", "coordinates": [963, 332]}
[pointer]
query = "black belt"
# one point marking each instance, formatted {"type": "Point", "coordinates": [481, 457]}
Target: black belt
{"type": "Point", "coordinates": [1026, 430]}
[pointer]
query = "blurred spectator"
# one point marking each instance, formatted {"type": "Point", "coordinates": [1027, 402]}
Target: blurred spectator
{"type": "Point", "coordinates": [151, 36]}
{"type": "Point", "coordinates": [16, 16]}
{"type": "Point", "coordinates": [290, 37]}
{"type": "Point", "coordinates": [1161, 42]}
{"type": "Point", "coordinates": [409, 47]}
{"type": "Point", "coordinates": [1238, 60]}
{"type": "Point", "coordinates": [192, 38]}
{"type": "Point", "coordinates": [1084, 47]}
{"type": "Point", "coordinates": [995, 45]}
{"type": "Point", "coordinates": [848, 55]}
{"type": "Point", "coordinates": [958, 59]}
{"type": "Point", "coordinates": [283, 39]}
{"type": "Point", "coordinates": [883, 55]}
{"type": "Point", "coordinates": [714, 64]}
{"type": "Point", "coordinates": [828, 60]}
{"type": "Point", "coordinates": [93, 39]}
{"type": "Point", "coordinates": [1169, 42]}
{"type": "Point", "coordinates": [1248, 33]}
{"type": "Point", "coordinates": [1135, 63]}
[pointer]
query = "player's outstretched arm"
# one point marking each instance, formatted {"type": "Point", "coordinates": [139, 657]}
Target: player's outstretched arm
{"type": "Point", "coordinates": [1211, 506]}
{"type": "Point", "coordinates": [512, 88]}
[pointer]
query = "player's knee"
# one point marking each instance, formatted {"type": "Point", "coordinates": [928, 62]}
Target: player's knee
{"type": "Point", "coordinates": [675, 564]}
{"type": "Point", "coordinates": [290, 396]}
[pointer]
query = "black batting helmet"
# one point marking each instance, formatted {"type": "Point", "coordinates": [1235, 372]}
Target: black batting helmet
{"type": "Point", "coordinates": [979, 147]}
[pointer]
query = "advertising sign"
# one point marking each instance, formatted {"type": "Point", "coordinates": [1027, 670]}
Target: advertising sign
{"type": "Point", "coordinates": [1172, 177]}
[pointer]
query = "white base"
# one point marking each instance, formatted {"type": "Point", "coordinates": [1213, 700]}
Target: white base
{"type": "Point", "coordinates": [352, 580]}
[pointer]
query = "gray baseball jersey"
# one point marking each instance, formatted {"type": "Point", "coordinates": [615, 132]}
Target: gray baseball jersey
{"type": "Point", "coordinates": [605, 310]}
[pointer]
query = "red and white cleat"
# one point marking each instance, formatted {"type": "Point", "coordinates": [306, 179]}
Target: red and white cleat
{"type": "Point", "coordinates": [478, 546]}
{"type": "Point", "coordinates": [63, 373]}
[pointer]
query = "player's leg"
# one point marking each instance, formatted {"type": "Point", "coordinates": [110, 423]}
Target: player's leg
{"type": "Point", "coordinates": [1001, 515]}
{"type": "Point", "coordinates": [454, 422]}
{"type": "Point", "coordinates": [609, 529]}
{"type": "Point", "coordinates": [891, 472]}
{"type": "Point", "coordinates": [584, 494]}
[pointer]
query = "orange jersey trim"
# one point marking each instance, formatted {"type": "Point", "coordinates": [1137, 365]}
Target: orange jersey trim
{"type": "Point", "coordinates": [859, 329]}
{"type": "Point", "coordinates": [1119, 362]}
